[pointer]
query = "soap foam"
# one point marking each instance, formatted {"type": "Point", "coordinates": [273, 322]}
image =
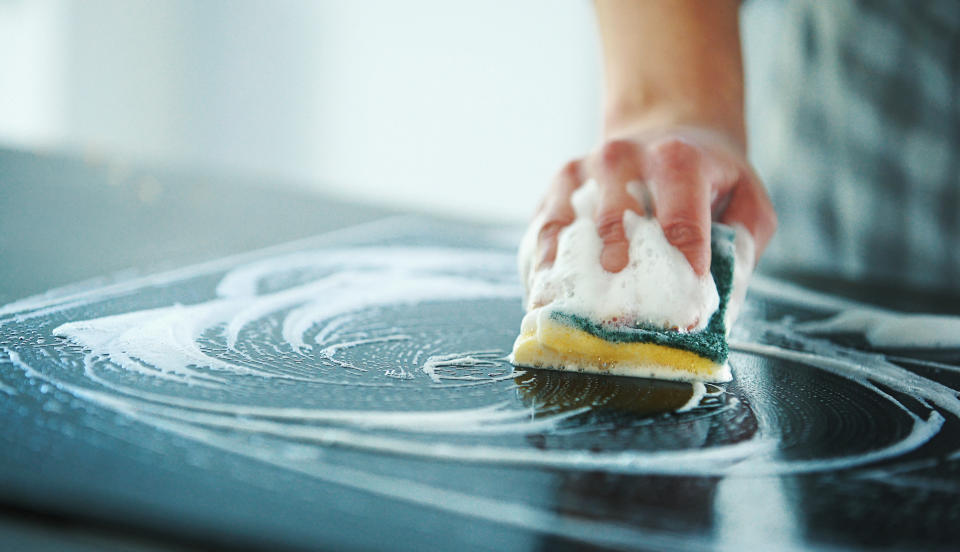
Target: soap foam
{"type": "Point", "coordinates": [888, 329]}
{"type": "Point", "coordinates": [296, 437]}
{"type": "Point", "coordinates": [657, 288]}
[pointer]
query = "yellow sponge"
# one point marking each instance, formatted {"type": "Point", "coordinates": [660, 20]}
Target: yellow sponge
{"type": "Point", "coordinates": [545, 342]}
{"type": "Point", "coordinates": [551, 338]}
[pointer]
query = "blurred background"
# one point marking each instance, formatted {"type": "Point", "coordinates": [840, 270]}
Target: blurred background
{"type": "Point", "coordinates": [465, 108]}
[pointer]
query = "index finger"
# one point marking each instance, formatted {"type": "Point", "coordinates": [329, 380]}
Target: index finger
{"type": "Point", "coordinates": [682, 200]}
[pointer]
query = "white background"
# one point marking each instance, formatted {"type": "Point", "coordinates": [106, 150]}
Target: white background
{"type": "Point", "coordinates": [462, 107]}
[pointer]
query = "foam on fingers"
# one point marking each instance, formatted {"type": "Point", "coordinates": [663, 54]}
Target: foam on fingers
{"type": "Point", "coordinates": [655, 318]}
{"type": "Point", "coordinates": [657, 287]}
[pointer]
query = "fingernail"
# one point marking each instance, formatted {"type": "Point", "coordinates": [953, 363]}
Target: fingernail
{"type": "Point", "coordinates": [614, 257]}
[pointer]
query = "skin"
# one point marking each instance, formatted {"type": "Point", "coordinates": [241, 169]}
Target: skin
{"type": "Point", "coordinates": [673, 119]}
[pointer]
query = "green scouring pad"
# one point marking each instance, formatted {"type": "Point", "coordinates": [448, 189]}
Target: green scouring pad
{"type": "Point", "coordinates": [567, 341]}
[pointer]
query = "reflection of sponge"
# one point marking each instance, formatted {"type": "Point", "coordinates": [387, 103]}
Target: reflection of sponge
{"type": "Point", "coordinates": [551, 338]}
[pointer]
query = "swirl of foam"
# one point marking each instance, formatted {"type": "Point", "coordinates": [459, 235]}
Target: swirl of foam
{"type": "Point", "coordinates": [400, 350]}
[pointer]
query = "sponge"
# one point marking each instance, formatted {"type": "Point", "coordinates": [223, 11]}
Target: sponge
{"type": "Point", "coordinates": [553, 338]}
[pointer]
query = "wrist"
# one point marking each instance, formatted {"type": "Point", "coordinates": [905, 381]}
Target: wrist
{"type": "Point", "coordinates": [622, 118]}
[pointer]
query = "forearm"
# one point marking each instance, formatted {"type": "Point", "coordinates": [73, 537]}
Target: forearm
{"type": "Point", "coordinates": [675, 62]}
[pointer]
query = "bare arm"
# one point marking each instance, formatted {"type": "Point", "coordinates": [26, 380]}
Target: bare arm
{"type": "Point", "coordinates": [672, 62]}
{"type": "Point", "coordinates": [673, 119]}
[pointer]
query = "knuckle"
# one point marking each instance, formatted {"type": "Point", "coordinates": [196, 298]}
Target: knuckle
{"type": "Point", "coordinates": [552, 228]}
{"type": "Point", "coordinates": [567, 180]}
{"type": "Point", "coordinates": [615, 152]}
{"type": "Point", "coordinates": [610, 227]}
{"type": "Point", "coordinates": [571, 169]}
{"type": "Point", "coordinates": [685, 234]}
{"type": "Point", "coordinates": [675, 154]}
{"type": "Point", "coordinates": [726, 173]}
{"type": "Point", "coordinates": [557, 208]}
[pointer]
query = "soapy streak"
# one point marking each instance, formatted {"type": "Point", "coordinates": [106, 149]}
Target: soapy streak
{"type": "Point", "coordinates": [924, 363]}
{"type": "Point", "coordinates": [164, 340]}
{"type": "Point", "coordinates": [75, 295]}
{"type": "Point", "coordinates": [899, 477]}
{"type": "Point", "coordinates": [495, 418]}
{"type": "Point", "coordinates": [436, 365]}
{"type": "Point", "coordinates": [221, 424]}
{"type": "Point", "coordinates": [885, 329]}
{"type": "Point", "coordinates": [495, 510]}
{"type": "Point", "coordinates": [720, 460]}
{"type": "Point", "coordinates": [714, 461]}
{"type": "Point", "coordinates": [698, 392]}
{"type": "Point", "coordinates": [139, 342]}
{"type": "Point", "coordinates": [881, 327]}
{"type": "Point", "coordinates": [327, 353]}
{"type": "Point", "coordinates": [917, 387]}
{"type": "Point", "coordinates": [400, 374]}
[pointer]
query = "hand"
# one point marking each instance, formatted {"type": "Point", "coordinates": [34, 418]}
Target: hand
{"type": "Point", "coordinates": [694, 176]}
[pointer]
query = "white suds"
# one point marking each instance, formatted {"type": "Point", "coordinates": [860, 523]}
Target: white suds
{"type": "Point", "coordinates": [887, 329]}
{"type": "Point", "coordinates": [399, 374]}
{"type": "Point", "coordinates": [658, 287]}
{"type": "Point", "coordinates": [440, 367]}
{"type": "Point", "coordinates": [218, 342]}
{"type": "Point", "coordinates": [697, 392]}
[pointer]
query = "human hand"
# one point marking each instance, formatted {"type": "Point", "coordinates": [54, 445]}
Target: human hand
{"type": "Point", "coordinates": [694, 176]}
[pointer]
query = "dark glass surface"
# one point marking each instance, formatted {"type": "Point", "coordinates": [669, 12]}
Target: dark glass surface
{"type": "Point", "coordinates": [411, 429]}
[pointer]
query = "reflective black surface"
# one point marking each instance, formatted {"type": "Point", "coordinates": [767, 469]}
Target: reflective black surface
{"type": "Point", "coordinates": [351, 391]}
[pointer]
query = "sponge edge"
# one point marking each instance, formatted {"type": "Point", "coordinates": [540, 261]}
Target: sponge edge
{"type": "Point", "coordinates": [547, 342]}
{"type": "Point", "coordinates": [552, 338]}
